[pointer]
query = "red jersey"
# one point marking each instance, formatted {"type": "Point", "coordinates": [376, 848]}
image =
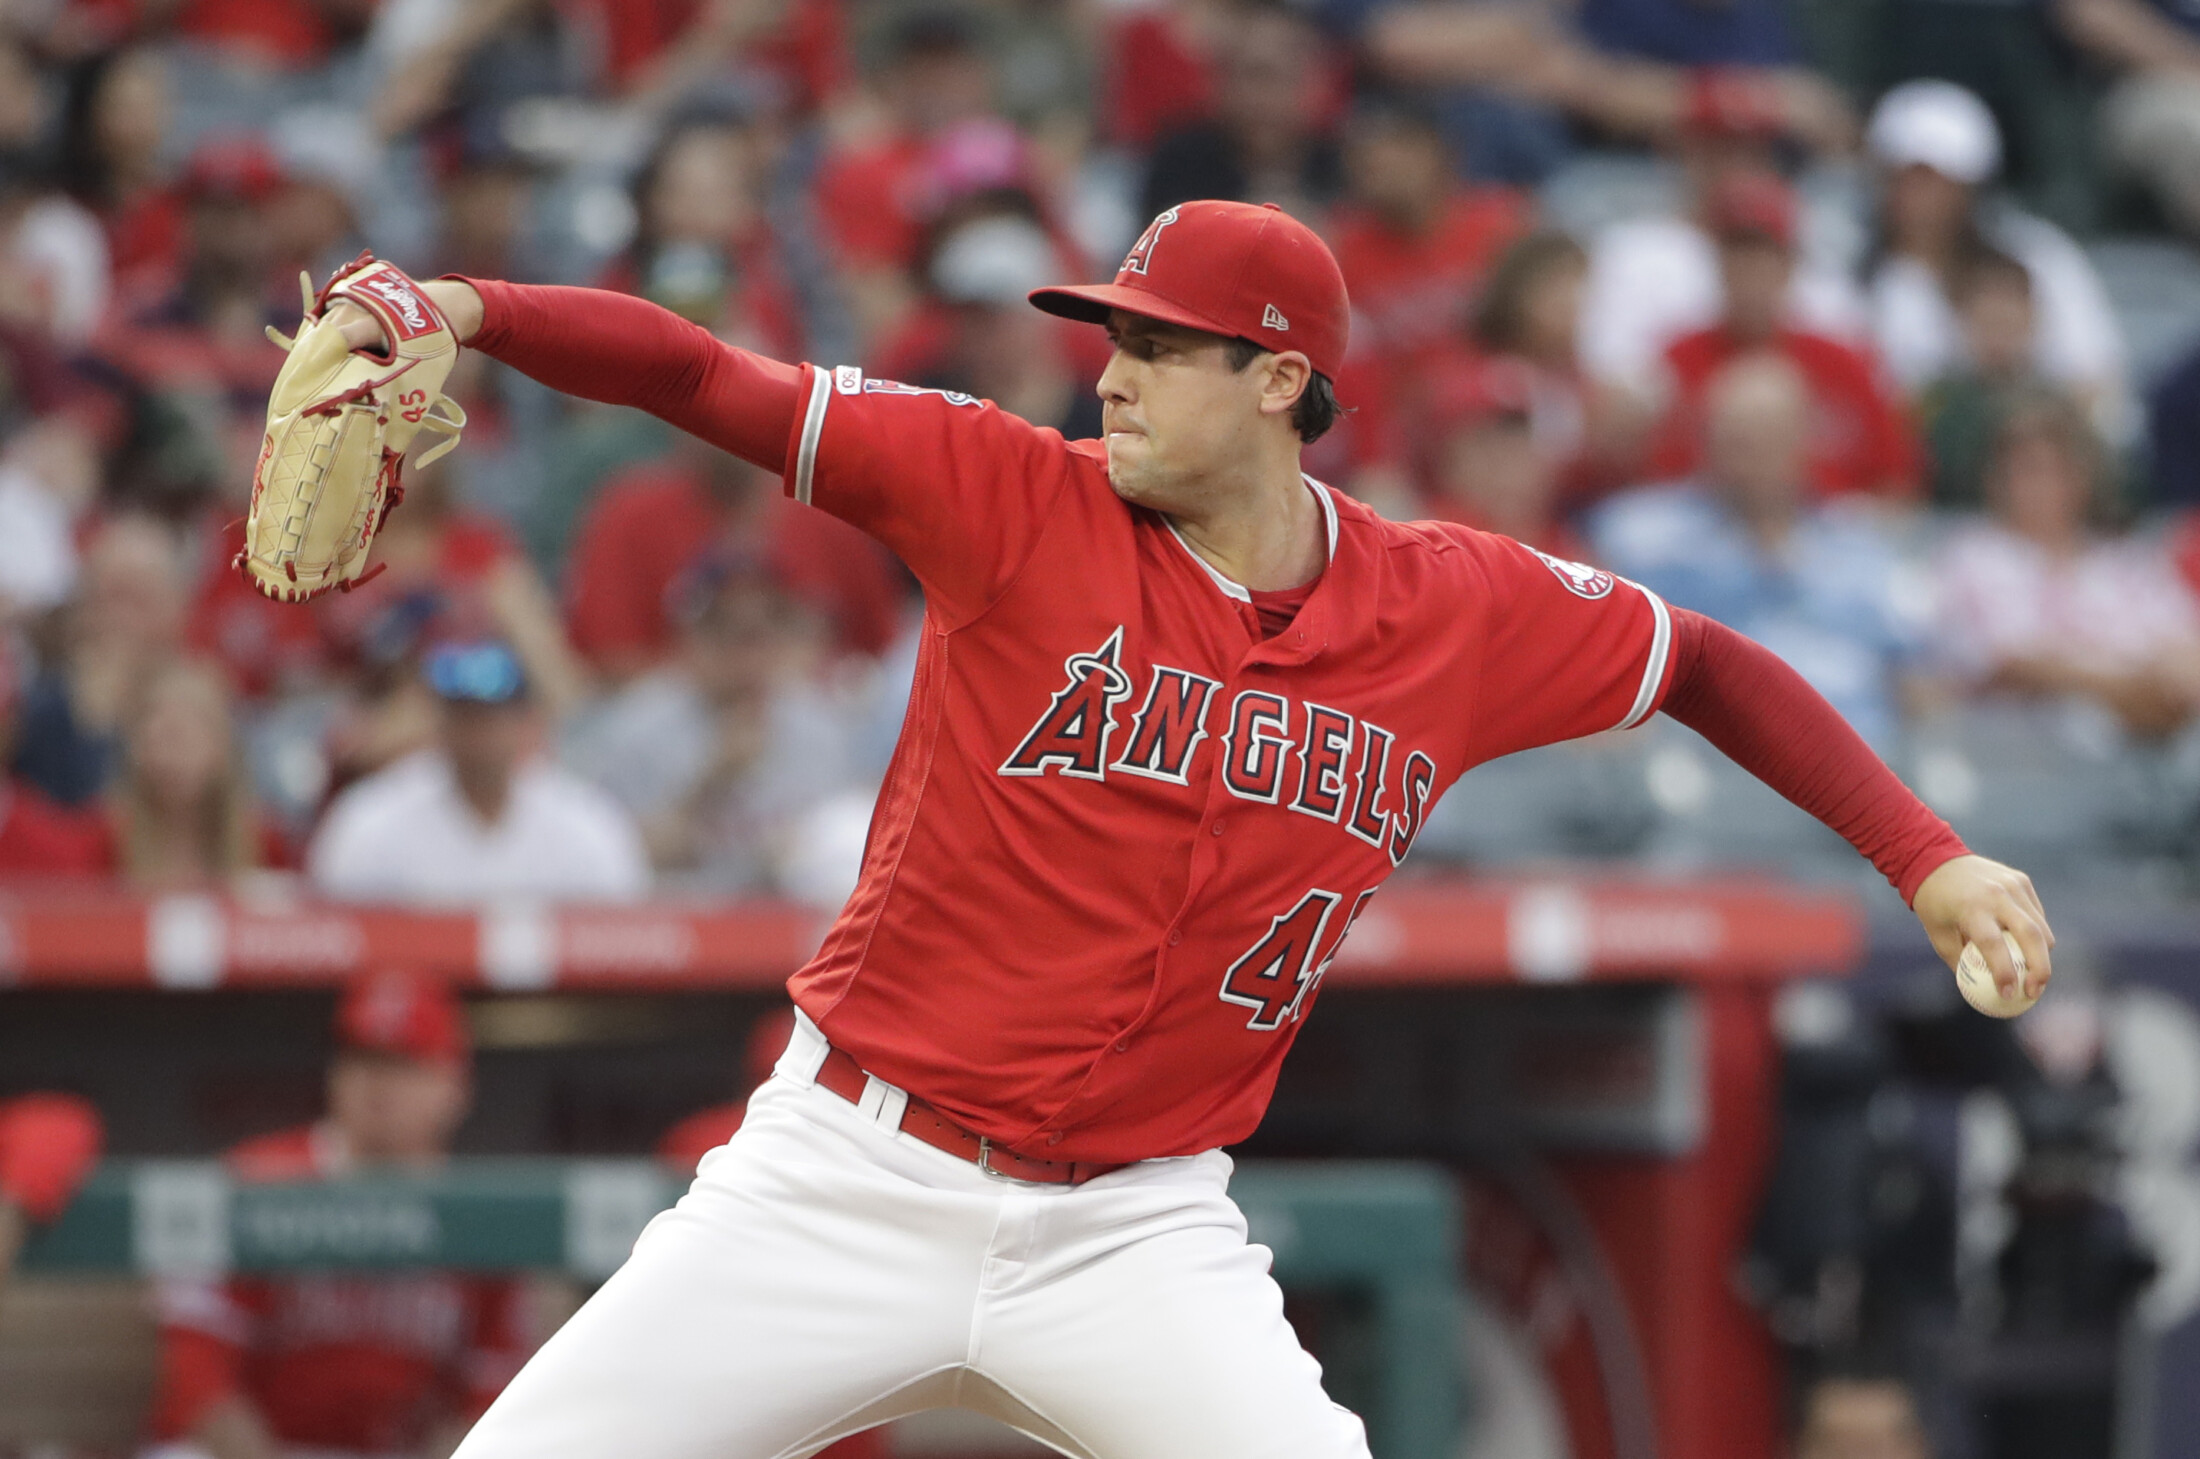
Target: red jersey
{"type": "Point", "coordinates": [331, 1360]}
{"type": "Point", "coordinates": [653, 522]}
{"type": "Point", "coordinates": [262, 644]}
{"type": "Point", "coordinates": [1859, 437]}
{"type": "Point", "coordinates": [1124, 833]}
{"type": "Point", "coordinates": [39, 837]}
{"type": "Point", "coordinates": [804, 52]}
{"type": "Point", "coordinates": [1412, 291]}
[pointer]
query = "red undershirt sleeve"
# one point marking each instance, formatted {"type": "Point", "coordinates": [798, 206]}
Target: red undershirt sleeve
{"type": "Point", "coordinates": [1760, 713]}
{"type": "Point", "coordinates": [621, 350]}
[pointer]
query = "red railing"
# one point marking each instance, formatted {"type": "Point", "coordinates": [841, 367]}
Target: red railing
{"type": "Point", "coordinates": [1420, 933]}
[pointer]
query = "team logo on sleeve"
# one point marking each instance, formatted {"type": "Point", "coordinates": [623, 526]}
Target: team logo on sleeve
{"type": "Point", "coordinates": [1073, 733]}
{"type": "Point", "coordinates": [1580, 579]}
{"type": "Point", "coordinates": [1141, 252]}
{"type": "Point", "coordinates": [895, 387]}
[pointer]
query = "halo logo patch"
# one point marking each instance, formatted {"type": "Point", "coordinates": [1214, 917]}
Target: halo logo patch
{"type": "Point", "coordinates": [1581, 580]}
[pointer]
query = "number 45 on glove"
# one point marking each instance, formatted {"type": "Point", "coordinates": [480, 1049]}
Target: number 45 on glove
{"type": "Point", "coordinates": [338, 424]}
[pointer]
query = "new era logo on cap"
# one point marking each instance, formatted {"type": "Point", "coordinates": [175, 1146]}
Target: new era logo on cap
{"type": "Point", "coordinates": [1232, 269]}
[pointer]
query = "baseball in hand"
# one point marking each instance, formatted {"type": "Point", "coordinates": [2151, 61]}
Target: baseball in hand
{"type": "Point", "coordinates": [1979, 989]}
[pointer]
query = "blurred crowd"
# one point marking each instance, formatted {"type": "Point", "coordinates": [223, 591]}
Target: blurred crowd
{"type": "Point", "coordinates": [1787, 309]}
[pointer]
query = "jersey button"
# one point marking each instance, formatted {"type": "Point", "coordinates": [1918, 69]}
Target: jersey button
{"type": "Point", "coordinates": [1055, 1138]}
{"type": "Point", "coordinates": [1216, 827]}
{"type": "Point", "coordinates": [1175, 938]}
{"type": "Point", "coordinates": [1122, 1046]}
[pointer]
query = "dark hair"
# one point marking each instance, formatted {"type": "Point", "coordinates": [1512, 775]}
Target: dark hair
{"type": "Point", "coordinates": [1317, 407]}
{"type": "Point", "coordinates": [1388, 108]}
{"type": "Point", "coordinates": [929, 31]}
{"type": "Point", "coordinates": [1500, 316]}
{"type": "Point", "coordinates": [696, 121]}
{"type": "Point", "coordinates": [80, 169]}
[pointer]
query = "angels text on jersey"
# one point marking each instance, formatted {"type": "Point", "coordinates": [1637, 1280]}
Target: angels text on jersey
{"type": "Point", "coordinates": [1310, 758]}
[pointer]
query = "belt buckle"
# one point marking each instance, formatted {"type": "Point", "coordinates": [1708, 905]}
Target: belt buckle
{"type": "Point", "coordinates": [985, 1161]}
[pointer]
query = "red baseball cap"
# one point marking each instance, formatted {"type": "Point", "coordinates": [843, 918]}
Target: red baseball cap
{"type": "Point", "coordinates": [237, 166]}
{"type": "Point", "coordinates": [1728, 104]}
{"type": "Point", "coordinates": [412, 1015]}
{"type": "Point", "coordinates": [1753, 205]}
{"type": "Point", "coordinates": [1473, 392]}
{"type": "Point", "coordinates": [1232, 269]}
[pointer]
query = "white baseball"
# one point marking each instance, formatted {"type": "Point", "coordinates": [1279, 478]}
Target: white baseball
{"type": "Point", "coordinates": [1979, 989]}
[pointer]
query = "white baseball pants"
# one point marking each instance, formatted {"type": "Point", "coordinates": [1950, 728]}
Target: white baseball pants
{"type": "Point", "coordinates": [826, 1273]}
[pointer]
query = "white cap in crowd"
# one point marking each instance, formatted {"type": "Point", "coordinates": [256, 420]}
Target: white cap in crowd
{"type": "Point", "coordinates": [1936, 124]}
{"type": "Point", "coordinates": [994, 261]}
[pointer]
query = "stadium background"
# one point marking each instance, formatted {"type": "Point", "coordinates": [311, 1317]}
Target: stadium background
{"type": "Point", "coordinates": [1905, 388]}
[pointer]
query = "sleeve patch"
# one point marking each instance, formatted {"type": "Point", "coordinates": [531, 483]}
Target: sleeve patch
{"type": "Point", "coordinates": [847, 379]}
{"type": "Point", "coordinates": [1582, 580]}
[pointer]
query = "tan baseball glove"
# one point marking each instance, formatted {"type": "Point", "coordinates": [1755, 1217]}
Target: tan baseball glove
{"type": "Point", "coordinates": [338, 425]}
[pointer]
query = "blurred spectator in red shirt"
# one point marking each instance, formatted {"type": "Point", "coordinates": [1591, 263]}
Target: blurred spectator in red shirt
{"type": "Point", "coordinates": [264, 646]}
{"type": "Point", "coordinates": [703, 248]}
{"type": "Point", "coordinates": [182, 806]}
{"type": "Point", "coordinates": [1654, 277]}
{"type": "Point", "coordinates": [196, 351]}
{"type": "Point", "coordinates": [1527, 314]}
{"type": "Point", "coordinates": [39, 836]}
{"type": "Point", "coordinates": [1267, 139]}
{"type": "Point", "coordinates": [361, 1365]}
{"type": "Point", "coordinates": [115, 115]}
{"type": "Point", "coordinates": [1159, 71]}
{"type": "Point", "coordinates": [790, 55]}
{"type": "Point", "coordinates": [683, 1147]}
{"type": "Point", "coordinates": [124, 623]}
{"type": "Point", "coordinates": [1414, 243]}
{"type": "Point", "coordinates": [935, 142]}
{"type": "Point", "coordinates": [48, 1145]}
{"type": "Point", "coordinates": [978, 334]}
{"type": "Point", "coordinates": [1859, 439]}
{"type": "Point", "coordinates": [654, 521]}
{"type": "Point", "coordinates": [1486, 465]}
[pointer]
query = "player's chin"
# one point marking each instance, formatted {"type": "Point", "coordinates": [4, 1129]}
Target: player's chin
{"type": "Point", "coordinates": [1132, 475]}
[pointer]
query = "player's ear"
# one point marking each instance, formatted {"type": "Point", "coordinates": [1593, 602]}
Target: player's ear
{"type": "Point", "coordinates": [1286, 378]}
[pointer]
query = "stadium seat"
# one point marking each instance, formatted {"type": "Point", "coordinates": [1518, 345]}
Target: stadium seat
{"type": "Point", "coordinates": [1585, 799]}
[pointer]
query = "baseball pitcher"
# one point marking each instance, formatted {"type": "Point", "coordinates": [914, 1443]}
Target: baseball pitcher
{"type": "Point", "coordinates": [1179, 712]}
